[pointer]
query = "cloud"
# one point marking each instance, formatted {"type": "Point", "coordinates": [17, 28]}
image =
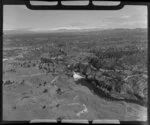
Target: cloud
{"type": "Point", "coordinates": [78, 24]}
{"type": "Point", "coordinates": [62, 28]}
{"type": "Point", "coordinates": [119, 18]}
{"type": "Point", "coordinates": [125, 17]}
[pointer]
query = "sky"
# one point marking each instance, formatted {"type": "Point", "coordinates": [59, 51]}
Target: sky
{"type": "Point", "coordinates": [20, 17]}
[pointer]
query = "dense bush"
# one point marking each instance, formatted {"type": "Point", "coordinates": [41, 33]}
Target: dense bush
{"type": "Point", "coordinates": [52, 61]}
{"type": "Point", "coordinates": [110, 69]}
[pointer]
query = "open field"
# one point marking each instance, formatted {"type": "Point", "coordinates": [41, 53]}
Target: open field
{"type": "Point", "coordinates": [38, 78]}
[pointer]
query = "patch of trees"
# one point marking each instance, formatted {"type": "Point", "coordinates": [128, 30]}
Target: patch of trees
{"type": "Point", "coordinates": [26, 64]}
{"type": "Point", "coordinates": [52, 61]}
{"type": "Point", "coordinates": [9, 82]}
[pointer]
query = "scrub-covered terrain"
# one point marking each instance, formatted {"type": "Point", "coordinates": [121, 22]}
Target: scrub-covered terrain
{"type": "Point", "coordinates": [39, 82]}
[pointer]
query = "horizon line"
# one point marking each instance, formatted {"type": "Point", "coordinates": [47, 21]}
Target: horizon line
{"type": "Point", "coordinates": [67, 28]}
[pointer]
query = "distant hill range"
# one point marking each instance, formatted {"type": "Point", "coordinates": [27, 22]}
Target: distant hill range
{"type": "Point", "coordinates": [65, 30]}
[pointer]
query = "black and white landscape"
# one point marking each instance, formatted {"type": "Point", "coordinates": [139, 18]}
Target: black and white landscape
{"type": "Point", "coordinates": [86, 74]}
{"type": "Point", "coordinates": [60, 64]}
